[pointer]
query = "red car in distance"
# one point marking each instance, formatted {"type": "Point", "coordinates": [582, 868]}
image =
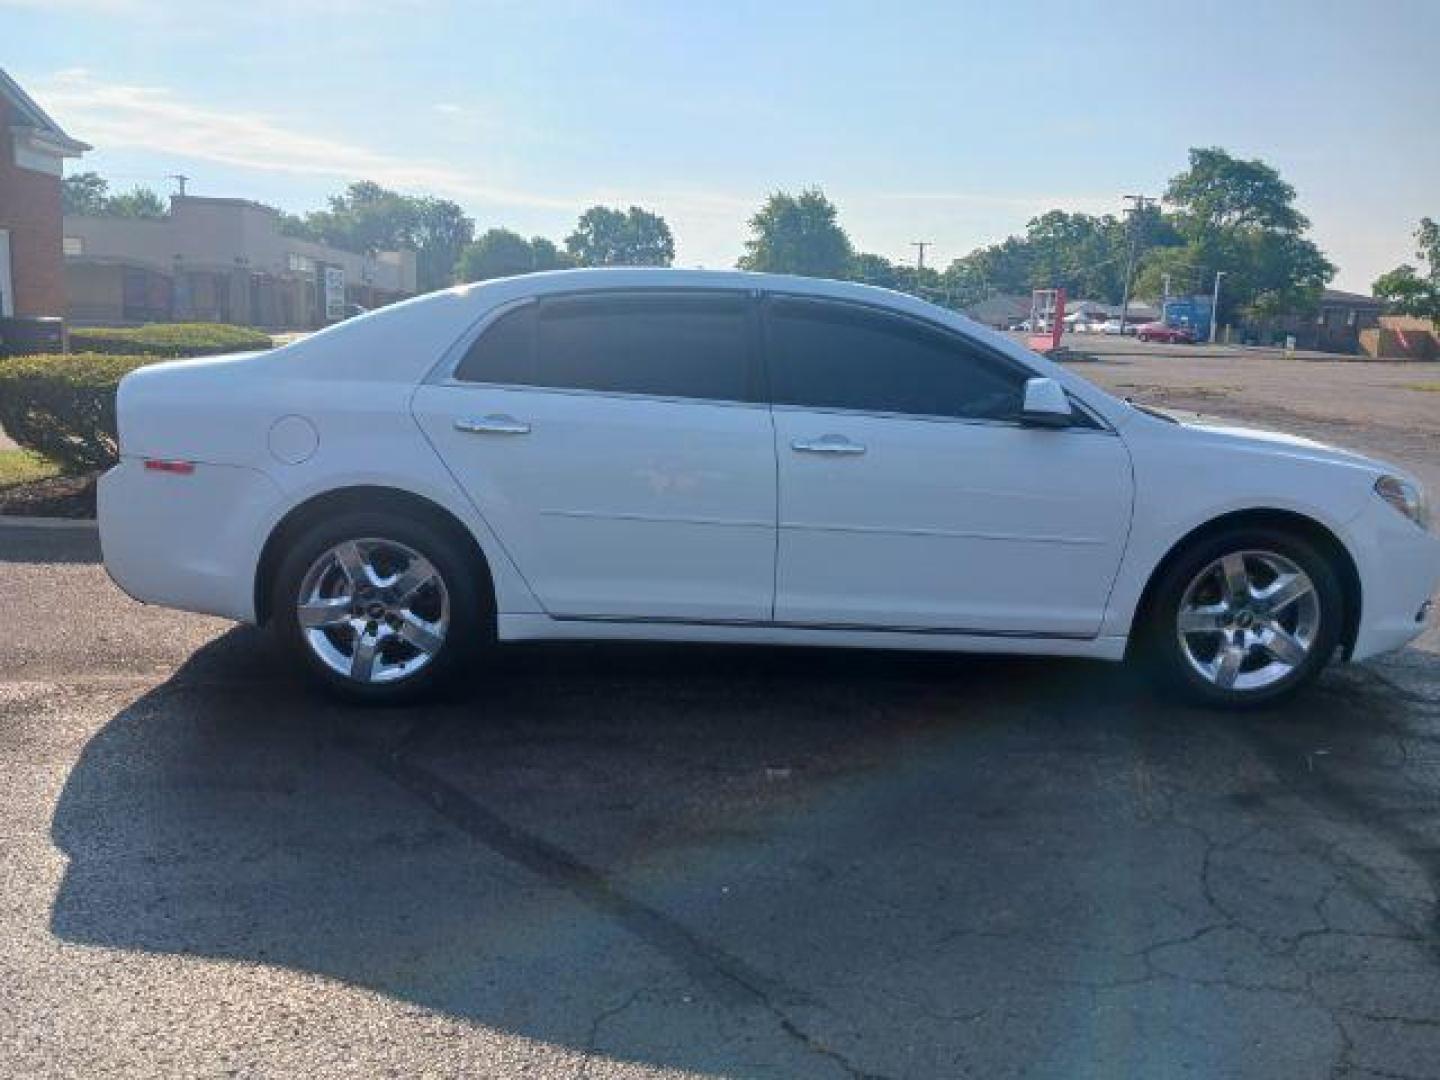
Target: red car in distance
{"type": "Point", "coordinates": [1166, 334]}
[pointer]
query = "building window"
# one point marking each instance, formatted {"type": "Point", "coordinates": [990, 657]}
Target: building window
{"type": "Point", "coordinates": [73, 245]}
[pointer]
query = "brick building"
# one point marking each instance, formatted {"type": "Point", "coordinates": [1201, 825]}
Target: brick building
{"type": "Point", "coordinates": [32, 151]}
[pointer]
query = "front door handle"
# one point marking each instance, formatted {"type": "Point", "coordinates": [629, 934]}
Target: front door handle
{"type": "Point", "coordinates": [827, 444]}
{"type": "Point", "coordinates": [494, 424]}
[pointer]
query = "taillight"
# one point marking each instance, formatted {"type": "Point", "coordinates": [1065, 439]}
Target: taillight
{"type": "Point", "coordinates": [183, 468]}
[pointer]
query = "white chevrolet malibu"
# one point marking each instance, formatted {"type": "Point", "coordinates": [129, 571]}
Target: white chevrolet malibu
{"type": "Point", "coordinates": [723, 457]}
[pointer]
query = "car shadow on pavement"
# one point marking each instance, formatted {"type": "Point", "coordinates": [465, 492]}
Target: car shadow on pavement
{"type": "Point", "coordinates": [715, 858]}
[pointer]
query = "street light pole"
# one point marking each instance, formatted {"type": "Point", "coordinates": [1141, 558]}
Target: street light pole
{"type": "Point", "coordinates": [1215, 305]}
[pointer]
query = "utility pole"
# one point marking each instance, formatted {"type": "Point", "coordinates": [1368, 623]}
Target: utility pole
{"type": "Point", "coordinates": [180, 181]}
{"type": "Point", "coordinates": [1215, 305]}
{"type": "Point", "coordinates": [920, 246]}
{"type": "Point", "coordinates": [1136, 223]}
{"type": "Point", "coordinates": [1164, 303]}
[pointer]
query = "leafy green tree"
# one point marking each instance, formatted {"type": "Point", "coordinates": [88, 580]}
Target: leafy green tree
{"type": "Point", "coordinates": [798, 235]}
{"type": "Point", "coordinates": [87, 194]}
{"type": "Point", "coordinates": [1410, 291]}
{"type": "Point", "coordinates": [84, 194]}
{"type": "Point", "coordinates": [367, 217]}
{"type": "Point", "coordinates": [870, 269]}
{"type": "Point", "coordinates": [496, 253]}
{"type": "Point", "coordinates": [140, 202]}
{"type": "Point", "coordinates": [1238, 217]}
{"type": "Point", "coordinates": [1219, 193]}
{"type": "Point", "coordinates": [609, 237]}
{"type": "Point", "coordinates": [544, 255]}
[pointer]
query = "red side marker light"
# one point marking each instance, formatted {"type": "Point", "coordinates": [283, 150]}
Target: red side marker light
{"type": "Point", "coordinates": [183, 468]}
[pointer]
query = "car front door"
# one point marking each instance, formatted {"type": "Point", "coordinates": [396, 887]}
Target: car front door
{"type": "Point", "coordinates": [616, 444]}
{"type": "Point", "coordinates": [911, 497]}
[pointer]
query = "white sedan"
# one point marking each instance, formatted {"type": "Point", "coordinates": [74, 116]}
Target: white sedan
{"type": "Point", "coordinates": [723, 457]}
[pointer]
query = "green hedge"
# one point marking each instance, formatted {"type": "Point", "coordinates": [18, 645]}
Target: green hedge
{"type": "Point", "coordinates": [167, 339]}
{"type": "Point", "coordinates": [63, 407]}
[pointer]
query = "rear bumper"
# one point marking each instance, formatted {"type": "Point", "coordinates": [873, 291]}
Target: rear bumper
{"type": "Point", "coordinates": [188, 541]}
{"type": "Point", "coordinates": [1399, 567]}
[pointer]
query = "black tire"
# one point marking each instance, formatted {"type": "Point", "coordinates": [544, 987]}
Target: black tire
{"type": "Point", "coordinates": [471, 607]}
{"type": "Point", "coordinates": [1160, 649]}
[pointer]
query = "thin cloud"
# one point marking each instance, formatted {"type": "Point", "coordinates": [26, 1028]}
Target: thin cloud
{"type": "Point", "coordinates": [154, 119]}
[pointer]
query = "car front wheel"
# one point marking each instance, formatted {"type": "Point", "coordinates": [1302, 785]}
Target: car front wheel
{"type": "Point", "coordinates": [1244, 618]}
{"type": "Point", "coordinates": [378, 609]}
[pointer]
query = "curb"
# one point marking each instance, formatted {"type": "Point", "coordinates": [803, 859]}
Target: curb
{"type": "Point", "coordinates": [18, 522]}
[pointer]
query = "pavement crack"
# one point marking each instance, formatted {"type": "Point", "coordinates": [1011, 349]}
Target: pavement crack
{"type": "Point", "coordinates": [727, 977]}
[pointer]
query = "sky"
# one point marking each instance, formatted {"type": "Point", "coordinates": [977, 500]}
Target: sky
{"type": "Point", "coordinates": [949, 122]}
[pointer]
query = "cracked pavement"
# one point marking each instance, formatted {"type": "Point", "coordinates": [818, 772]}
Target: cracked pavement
{"type": "Point", "coordinates": [654, 861]}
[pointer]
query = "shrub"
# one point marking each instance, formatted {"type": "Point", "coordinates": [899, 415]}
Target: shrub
{"type": "Point", "coordinates": [63, 407]}
{"type": "Point", "coordinates": [167, 339]}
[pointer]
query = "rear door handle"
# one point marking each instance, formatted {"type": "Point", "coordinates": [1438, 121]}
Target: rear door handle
{"type": "Point", "coordinates": [827, 444]}
{"type": "Point", "coordinates": [494, 424]}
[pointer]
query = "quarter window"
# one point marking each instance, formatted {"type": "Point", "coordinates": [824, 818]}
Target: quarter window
{"type": "Point", "coordinates": [843, 356]}
{"type": "Point", "coordinates": [504, 353]}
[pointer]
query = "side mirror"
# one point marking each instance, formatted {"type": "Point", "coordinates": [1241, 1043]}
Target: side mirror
{"type": "Point", "coordinates": [1045, 404]}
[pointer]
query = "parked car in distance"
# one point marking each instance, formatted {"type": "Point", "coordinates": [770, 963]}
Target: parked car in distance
{"type": "Point", "coordinates": [723, 457]}
{"type": "Point", "coordinates": [1112, 326]}
{"type": "Point", "coordinates": [1166, 334]}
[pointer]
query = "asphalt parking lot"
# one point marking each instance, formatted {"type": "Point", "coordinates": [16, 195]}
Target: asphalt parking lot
{"type": "Point", "coordinates": [653, 861]}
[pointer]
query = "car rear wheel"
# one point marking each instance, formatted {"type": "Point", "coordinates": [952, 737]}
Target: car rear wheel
{"type": "Point", "coordinates": [377, 608]}
{"type": "Point", "coordinates": [1244, 618]}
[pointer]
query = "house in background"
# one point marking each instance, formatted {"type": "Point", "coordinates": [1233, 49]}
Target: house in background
{"type": "Point", "coordinates": [33, 149]}
{"type": "Point", "coordinates": [1336, 325]}
{"type": "Point", "coordinates": [220, 260]}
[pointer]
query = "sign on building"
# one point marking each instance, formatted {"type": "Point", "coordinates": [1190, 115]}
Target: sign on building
{"type": "Point", "coordinates": [334, 293]}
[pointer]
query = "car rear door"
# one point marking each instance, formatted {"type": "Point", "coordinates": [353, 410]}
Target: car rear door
{"type": "Point", "coordinates": [616, 444]}
{"type": "Point", "coordinates": [910, 495]}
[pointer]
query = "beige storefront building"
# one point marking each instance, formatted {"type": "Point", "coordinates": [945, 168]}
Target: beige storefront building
{"type": "Point", "coordinates": [220, 260]}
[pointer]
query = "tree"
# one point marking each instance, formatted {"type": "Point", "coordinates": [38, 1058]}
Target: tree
{"type": "Point", "coordinates": [440, 234]}
{"type": "Point", "coordinates": [544, 255]}
{"type": "Point", "coordinates": [140, 202]}
{"type": "Point", "coordinates": [1238, 217]}
{"type": "Point", "coordinates": [875, 270]}
{"type": "Point", "coordinates": [1410, 291]}
{"type": "Point", "coordinates": [1219, 192]}
{"type": "Point", "coordinates": [84, 194]}
{"type": "Point", "coordinates": [87, 194]}
{"type": "Point", "coordinates": [634, 237]}
{"type": "Point", "coordinates": [798, 235]}
{"type": "Point", "coordinates": [497, 253]}
{"type": "Point", "coordinates": [367, 217]}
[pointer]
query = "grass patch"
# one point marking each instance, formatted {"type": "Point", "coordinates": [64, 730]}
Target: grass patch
{"type": "Point", "coordinates": [1424, 387]}
{"type": "Point", "coordinates": [22, 466]}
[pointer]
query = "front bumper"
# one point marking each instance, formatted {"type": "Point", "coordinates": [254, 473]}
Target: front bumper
{"type": "Point", "coordinates": [189, 541]}
{"type": "Point", "coordinates": [1399, 566]}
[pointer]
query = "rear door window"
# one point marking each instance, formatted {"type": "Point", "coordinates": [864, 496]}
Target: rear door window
{"type": "Point", "coordinates": [661, 344]}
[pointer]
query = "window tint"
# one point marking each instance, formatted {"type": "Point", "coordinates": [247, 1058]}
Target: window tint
{"type": "Point", "coordinates": [504, 353]}
{"type": "Point", "coordinates": [841, 356]}
{"type": "Point", "coordinates": [675, 345]}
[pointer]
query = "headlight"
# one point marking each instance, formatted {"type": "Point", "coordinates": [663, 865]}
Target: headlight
{"type": "Point", "coordinates": [1406, 497]}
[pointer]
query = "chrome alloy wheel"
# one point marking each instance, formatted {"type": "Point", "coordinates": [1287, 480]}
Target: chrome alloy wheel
{"type": "Point", "coordinates": [1248, 620]}
{"type": "Point", "coordinates": [374, 611]}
